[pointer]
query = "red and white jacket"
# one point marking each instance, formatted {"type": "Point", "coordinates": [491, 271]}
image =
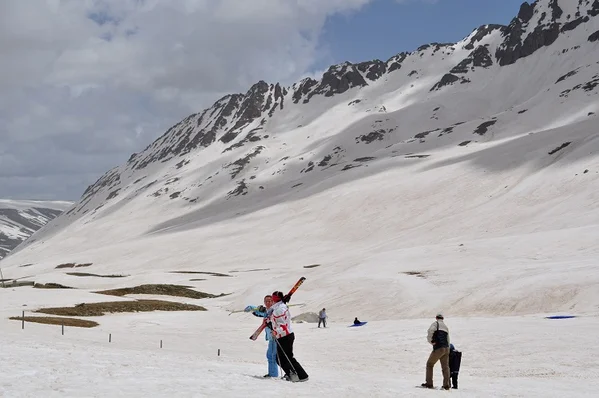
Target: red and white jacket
{"type": "Point", "coordinates": [281, 320]}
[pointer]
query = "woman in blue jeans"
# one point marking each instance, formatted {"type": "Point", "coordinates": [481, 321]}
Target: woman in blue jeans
{"type": "Point", "coordinates": [271, 352]}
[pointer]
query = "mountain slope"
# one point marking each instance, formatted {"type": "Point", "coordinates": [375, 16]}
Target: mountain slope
{"type": "Point", "coordinates": [471, 158]}
{"type": "Point", "coordinates": [19, 219]}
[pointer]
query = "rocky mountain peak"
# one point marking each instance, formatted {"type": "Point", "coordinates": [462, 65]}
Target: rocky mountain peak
{"type": "Point", "coordinates": [238, 119]}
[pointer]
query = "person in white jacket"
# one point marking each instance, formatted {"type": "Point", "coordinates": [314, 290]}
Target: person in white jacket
{"type": "Point", "coordinates": [438, 337]}
{"type": "Point", "coordinates": [322, 318]}
{"type": "Point", "coordinates": [280, 319]}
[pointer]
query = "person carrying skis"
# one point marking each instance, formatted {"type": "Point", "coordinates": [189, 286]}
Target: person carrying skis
{"type": "Point", "coordinates": [455, 359]}
{"type": "Point", "coordinates": [438, 337]}
{"type": "Point", "coordinates": [322, 318]}
{"type": "Point", "coordinates": [280, 323]}
{"type": "Point", "coordinates": [271, 351]}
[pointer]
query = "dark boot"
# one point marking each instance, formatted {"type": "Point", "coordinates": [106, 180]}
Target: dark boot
{"type": "Point", "coordinates": [454, 381]}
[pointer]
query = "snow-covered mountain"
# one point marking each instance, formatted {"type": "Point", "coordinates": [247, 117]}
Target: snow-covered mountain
{"type": "Point", "coordinates": [19, 219]}
{"type": "Point", "coordinates": [464, 173]}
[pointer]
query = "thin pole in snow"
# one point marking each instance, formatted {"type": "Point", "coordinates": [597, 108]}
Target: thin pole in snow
{"type": "Point", "coordinates": [63, 329]}
{"type": "Point", "coordinates": [110, 337]}
{"type": "Point", "coordinates": [218, 354]}
{"type": "Point", "coordinates": [160, 343]}
{"type": "Point", "coordinates": [23, 321]}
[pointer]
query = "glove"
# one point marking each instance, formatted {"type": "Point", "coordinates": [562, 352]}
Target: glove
{"type": "Point", "coordinates": [286, 298]}
{"type": "Point", "coordinates": [269, 325]}
{"type": "Point", "coordinates": [261, 308]}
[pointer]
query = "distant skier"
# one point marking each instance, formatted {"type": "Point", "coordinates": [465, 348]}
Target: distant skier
{"type": "Point", "coordinates": [271, 352]}
{"type": "Point", "coordinates": [322, 318]}
{"type": "Point", "coordinates": [280, 320]}
{"type": "Point", "coordinates": [455, 359]}
{"type": "Point", "coordinates": [356, 321]}
{"type": "Point", "coordinates": [438, 337]}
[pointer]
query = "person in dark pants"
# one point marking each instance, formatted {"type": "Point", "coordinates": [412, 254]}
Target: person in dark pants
{"type": "Point", "coordinates": [322, 318]}
{"type": "Point", "coordinates": [280, 319]}
{"type": "Point", "coordinates": [455, 359]}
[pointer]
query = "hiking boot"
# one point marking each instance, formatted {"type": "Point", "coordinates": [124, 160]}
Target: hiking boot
{"type": "Point", "coordinates": [426, 385]}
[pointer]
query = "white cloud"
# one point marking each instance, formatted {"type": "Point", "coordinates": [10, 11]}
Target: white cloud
{"type": "Point", "coordinates": [84, 83]}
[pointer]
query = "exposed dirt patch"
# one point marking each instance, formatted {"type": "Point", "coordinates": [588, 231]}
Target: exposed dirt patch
{"type": "Point", "coordinates": [350, 166]}
{"type": "Point", "coordinates": [51, 320]}
{"type": "Point", "coordinates": [25, 265]}
{"type": "Point", "coordinates": [166, 290]}
{"type": "Point", "coordinates": [96, 275]}
{"type": "Point", "coordinates": [73, 265]}
{"type": "Point", "coordinates": [196, 280]}
{"type": "Point", "coordinates": [312, 266]}
{"type": "Point", "coordinates": [559, 148]}
{"type": "Point", "coordinates": [483, 128]}
{"type": "Point", "coordinates": [417, 156]}
{"type": "Point", "coordinates": [415, 273]}
{"type": "Point", "coordinates": [51, 286]}
{"type": "Point", "coordinates": [308, 317]}
{"type": "Point", "coordinates": [252, 270]}
{"type": "Point", "coordinates": [201, 272]}
{"type": "Point", "coordinates": [99, 309]}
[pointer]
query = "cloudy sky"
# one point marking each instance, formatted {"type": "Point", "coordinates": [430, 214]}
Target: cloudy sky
{"type": "Point", "coordinates": [85, 83]}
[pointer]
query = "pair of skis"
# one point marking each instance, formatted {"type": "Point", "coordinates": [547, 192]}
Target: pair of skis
{"type": "Point", "coordinates": [255, 335]}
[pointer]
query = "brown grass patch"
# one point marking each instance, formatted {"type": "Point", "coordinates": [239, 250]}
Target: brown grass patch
{"type": "Point", "coordinates": [51, 286]}
{"type": "Point", "coordinates": [200, 272]}
{"type": "Point", "coordinates": [52, 320]}
{"type": "Point", "coordinates": [96, 275]}
{"type": "Point", "coordinates": [99, 309]}
{"type": "Point", "coordinates": [72, 265]}
{"type": "Point", "coordinates": [312, 266]}
{"type": "Point", "coordinates": [166, 290]}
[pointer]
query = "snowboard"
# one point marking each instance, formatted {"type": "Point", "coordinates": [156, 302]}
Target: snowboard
{"type": "Point", "coordinates": [255, 335]}
{"type": "Point", "coordinates": [359, 324]}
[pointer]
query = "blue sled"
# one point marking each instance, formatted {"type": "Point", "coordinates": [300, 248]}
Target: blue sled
{"type": "Point", "coordinates": [560, 317]}
{"type": "Point", "coordinates": [359, 324]}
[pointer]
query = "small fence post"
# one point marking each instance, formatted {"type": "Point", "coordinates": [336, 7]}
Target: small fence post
{"type": "Point", "coordinates": [63, 329]}
{"type": "Point", "coordinates": [110, 337]}
{"type": "Point", "coordinates": [218, 354]}
{"type": "Point", "coordinates": [160, 343]}
{"type": "Point", "coordinates": [23, 321]}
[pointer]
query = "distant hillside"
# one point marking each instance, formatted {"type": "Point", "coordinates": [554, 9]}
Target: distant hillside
{"type": "Point", "coordinates": [19, 219]}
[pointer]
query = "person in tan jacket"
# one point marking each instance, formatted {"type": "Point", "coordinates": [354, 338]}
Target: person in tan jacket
{"type": "Point", "coordinates": [438, 337]}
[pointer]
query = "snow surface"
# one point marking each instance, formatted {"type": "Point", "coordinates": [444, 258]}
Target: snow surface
{"type": "Point", "coordinates": [496, 229]}
{"type": "Point", "coordinates": [502, 357]}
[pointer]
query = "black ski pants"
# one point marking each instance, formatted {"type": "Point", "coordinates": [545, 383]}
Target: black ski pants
{"type": "Point", "coordinates": [286, 359]}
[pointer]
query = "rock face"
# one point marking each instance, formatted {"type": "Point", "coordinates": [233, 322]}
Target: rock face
{"type": "Point", "coordinates": [539, 25]}
{"type": "Point", "coordinates": [479, 58]}
{"type": "Point", "coordinates": [21, 219]}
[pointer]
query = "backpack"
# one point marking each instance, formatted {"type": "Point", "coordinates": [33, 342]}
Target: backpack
{"type": "Point", "coordinates": [440, 338]}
